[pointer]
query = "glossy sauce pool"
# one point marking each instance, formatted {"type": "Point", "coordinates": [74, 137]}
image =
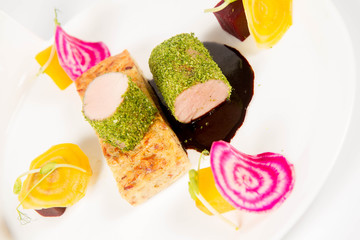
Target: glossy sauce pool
{"type": "Point", "coordinates": [222, 122]}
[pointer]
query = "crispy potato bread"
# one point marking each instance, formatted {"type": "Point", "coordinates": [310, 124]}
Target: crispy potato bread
{"type": "Point", "coordinates": [158, 160]}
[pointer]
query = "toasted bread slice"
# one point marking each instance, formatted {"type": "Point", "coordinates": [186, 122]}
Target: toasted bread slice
{"type": "Point", "coordinates": [158, 160]}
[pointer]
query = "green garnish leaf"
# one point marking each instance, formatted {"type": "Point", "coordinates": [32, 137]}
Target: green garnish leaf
{"type": "Point", "coordinates": [194, 178]}
{"type": "Point", "coordinates": [23, 218]}
{"type": "Point", "coordinates": [196, 195]}
{"type": "Point", "coordinates": [56, 18]}
{"type": "Point", "coordinates": [17, 186]}
{"type": "Point", "coordinates": [193, 174]}
{"type": "Point", "coordinates": [194, 181]}
{"type": "Point", "coordinates": [53, 50]}
{"type": "Point", "coordinates": [205, 152]}
{"type": "Point", "coordinates": [45, 170]}
{"type": "Point", "coordinates": [221, 7]}
{"type": "Point", "coordinates": [191, 191]}
{"type": "Point", "coordinates": [48, 167]}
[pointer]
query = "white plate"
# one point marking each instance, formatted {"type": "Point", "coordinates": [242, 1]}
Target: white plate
{"type": "Point", "coordinates": [304, 92]}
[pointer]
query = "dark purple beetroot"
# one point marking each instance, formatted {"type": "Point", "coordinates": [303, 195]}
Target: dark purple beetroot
{"type": "Point", "coordinates": [51, 212]}
{"type": "Point", "coordinates": [233, 20]}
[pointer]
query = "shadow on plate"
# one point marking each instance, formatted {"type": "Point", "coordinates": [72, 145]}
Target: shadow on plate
{"type": "Point", "coordinates": [91, 147]}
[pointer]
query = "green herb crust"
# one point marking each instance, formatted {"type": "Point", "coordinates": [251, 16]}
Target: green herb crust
{"type": "Point", "coordinates": [181, 62]}
{"type": "Point", "coordinates": [131, 120]}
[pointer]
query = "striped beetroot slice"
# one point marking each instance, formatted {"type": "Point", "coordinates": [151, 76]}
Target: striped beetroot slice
{"type": "Point", "coordinates": [77, 56]}
{"type": "Point", "coordinates": [254, 183]}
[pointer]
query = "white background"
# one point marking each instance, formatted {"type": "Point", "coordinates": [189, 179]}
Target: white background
{"type": "Point", "coordinates": [335, 213]}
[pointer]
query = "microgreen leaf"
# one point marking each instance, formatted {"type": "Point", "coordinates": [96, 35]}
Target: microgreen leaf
{"type": "Point", "coordinates": [53, 50]}
{"type": "Point", "coordinates": [193, 174]}
{"type": "Point", "coordinates": [65, 165]}
{"type": "Point", "coordinates": [221, 7]}
{"type": "Point", "coordinates": [194, 182]}
{"type": "Point", "coordinates": [196, 195]}
{"type": "Point", "coordinates": [205, 152]}
{"type": "Point", "coordinates": [17, 186]}
{"type": "Point", "coordinates": [43, 68]}
{"type": "Point", "coordinates": [194, 178]}
{"type": "Point", "coordinates": [23, 218]}
{"type": "Point", "coordinates": [56, 19]}
{"type": "Point", "coordinates": [191, 191]}
{"type": "Point", "coordinates": [45, 170]}
{"type": "Point", "coordinates": [48, 167]}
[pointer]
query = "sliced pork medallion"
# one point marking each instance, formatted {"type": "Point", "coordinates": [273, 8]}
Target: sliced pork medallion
{"type": "Point", "coordinates": [190, 82]}
{"type": "Point", "coordinates": [158, 159]}
{"type": "Point", "coordinates": [118, 110]}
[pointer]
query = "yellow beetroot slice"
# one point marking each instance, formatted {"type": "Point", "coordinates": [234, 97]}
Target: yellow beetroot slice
{"type": "Point", "coordinates": [268, 20]}
{"type": "Point", "coordinates": [51, 66]}
{"type": "Point", "coordinates": [209, 191]}
{"type": "Point", "coordinates": [57, 178]}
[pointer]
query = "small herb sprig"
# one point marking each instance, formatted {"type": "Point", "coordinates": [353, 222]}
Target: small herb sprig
{"type": "Point", "coordinates": [45, 170]}
{"type": "Point", "coordinates": [196, 195]}
{"type": "Point", "coordinates": [53, 49]}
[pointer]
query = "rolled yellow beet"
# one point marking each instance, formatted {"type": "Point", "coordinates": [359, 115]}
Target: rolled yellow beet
{"type": "Point", "coordinates": [61, 188]}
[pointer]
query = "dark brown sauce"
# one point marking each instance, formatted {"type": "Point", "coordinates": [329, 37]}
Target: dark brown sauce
{"type": "Point", "coordinates": [222, 122]}
{"type": "Point", "coordinates": [51, 212]}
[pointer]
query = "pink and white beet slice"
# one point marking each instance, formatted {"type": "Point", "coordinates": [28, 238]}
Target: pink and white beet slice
{"type": "Point", "coordinates": [254, 183]}
{"type": "Point", "coordinates": [77, 56]}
